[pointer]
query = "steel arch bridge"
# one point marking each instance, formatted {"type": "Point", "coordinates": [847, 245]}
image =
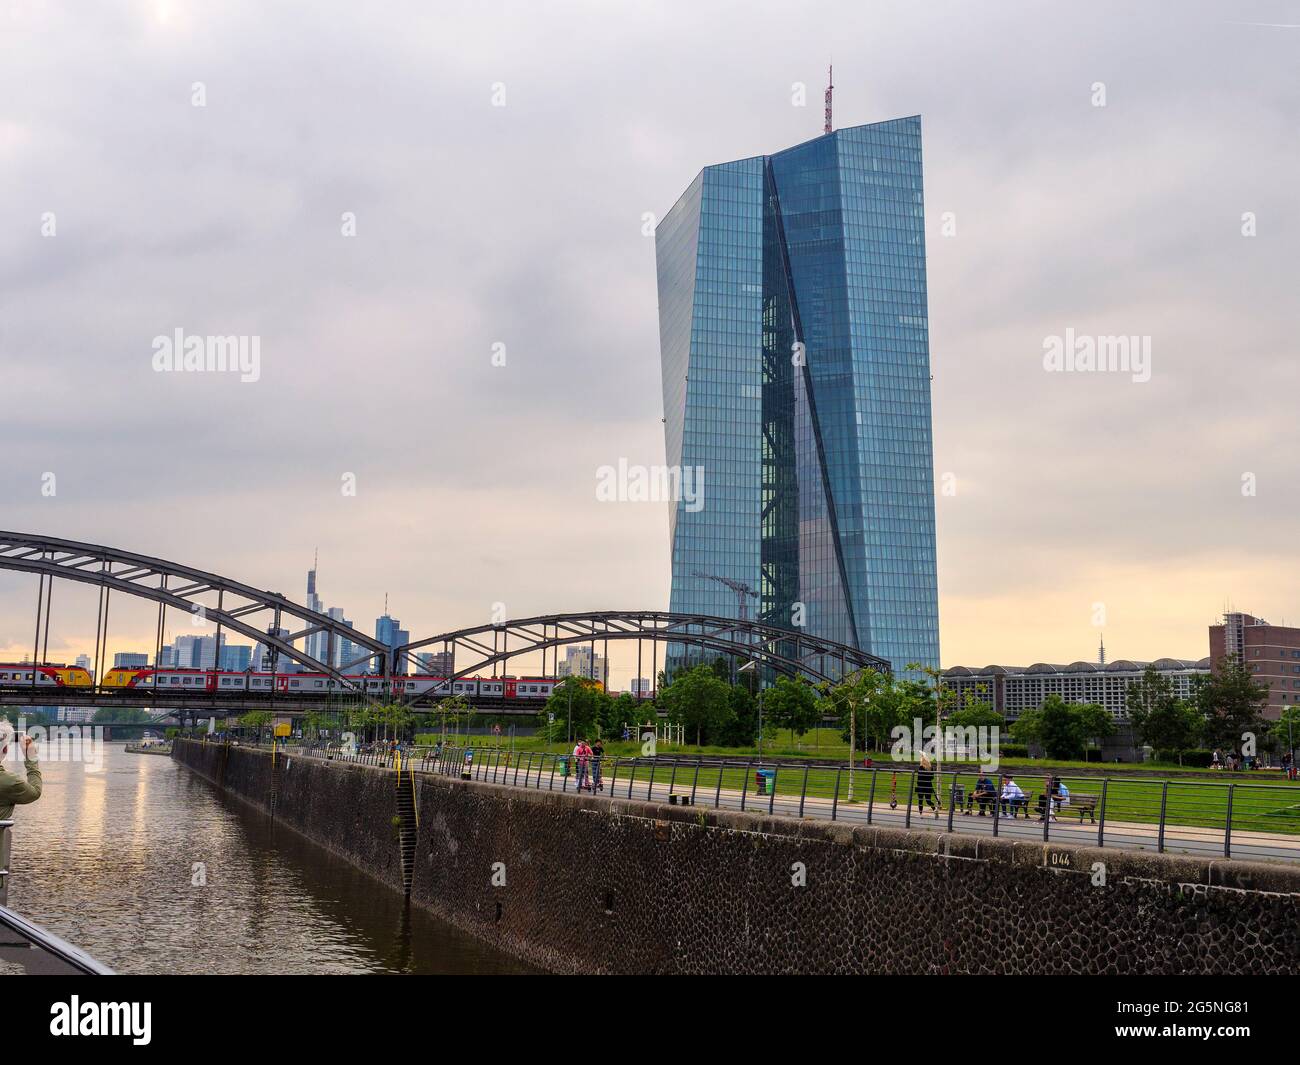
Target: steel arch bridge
{"type": "Point", "coordinates": [226, 603]}
{"type": "Point", "coordinates": [258, 615]}
{"type": "Point", "coordinates": [785, 651]}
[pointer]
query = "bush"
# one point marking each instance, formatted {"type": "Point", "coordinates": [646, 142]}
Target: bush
{"type": "Point", "coordinates": [1013, 750]}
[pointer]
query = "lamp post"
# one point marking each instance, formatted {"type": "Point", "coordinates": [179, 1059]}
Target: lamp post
{"type": "Point", "coordinates": [752, 664]}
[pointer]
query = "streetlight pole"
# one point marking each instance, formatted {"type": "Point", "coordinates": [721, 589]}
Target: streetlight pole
{"type": "Point", "coordinates": [853, 742]}
{"type": "Point", "coordinates": [752, 664]}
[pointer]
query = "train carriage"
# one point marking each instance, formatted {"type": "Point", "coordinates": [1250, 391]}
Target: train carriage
{"type": "Point", "coordinates": [43, 675]}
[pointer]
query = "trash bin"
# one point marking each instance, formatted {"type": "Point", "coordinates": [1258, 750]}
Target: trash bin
{"type": "Point", "coordinates": [765, 781]}
{"type": "Point", "coordinates": [564, 767]}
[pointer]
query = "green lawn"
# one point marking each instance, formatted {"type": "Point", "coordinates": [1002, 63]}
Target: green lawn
{"type": "Point", "coordinates": [1272, 807]}
{"type": "Point", "coordinates": [825, 745]}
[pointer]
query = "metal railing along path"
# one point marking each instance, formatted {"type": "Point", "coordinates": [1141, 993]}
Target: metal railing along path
{"type": "Point", "coordinates": [1234, 819]}
{"type": "Point", "coordinates": [1231, 819]}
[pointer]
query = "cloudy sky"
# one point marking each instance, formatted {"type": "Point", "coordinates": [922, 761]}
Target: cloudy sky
{"type": "Point", "coordinates": [129, 212]}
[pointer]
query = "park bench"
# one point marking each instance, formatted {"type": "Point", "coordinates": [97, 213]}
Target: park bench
{"type": "Point", "coordinates": [1080, 803]}
{"type": "Point", "coordinates": [1084, 804]}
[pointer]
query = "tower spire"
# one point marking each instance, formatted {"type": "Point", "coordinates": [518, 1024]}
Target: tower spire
{"type": "Point", "coordinates": [830, 87]}
{"type": "Point", "coordinates": [1101, 651]}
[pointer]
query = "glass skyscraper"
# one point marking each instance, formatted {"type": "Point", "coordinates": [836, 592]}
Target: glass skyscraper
{"type": "Point", "coordinates": [796, 374]}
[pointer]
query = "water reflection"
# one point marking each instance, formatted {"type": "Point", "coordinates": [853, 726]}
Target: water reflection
{"type": "Point", "coordinates": [146, 866]}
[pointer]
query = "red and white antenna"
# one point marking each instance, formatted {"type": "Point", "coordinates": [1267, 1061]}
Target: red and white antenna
{"type": "Point", "coordinates": [830, 87]}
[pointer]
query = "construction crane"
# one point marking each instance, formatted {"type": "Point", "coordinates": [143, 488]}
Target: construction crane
{"type": "Point", "coordinates": [830, 88]}
{"type": "Point", "coordinates": [742, 590]}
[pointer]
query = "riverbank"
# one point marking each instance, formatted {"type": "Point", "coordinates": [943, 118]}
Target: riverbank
{"type": "Point", "coordinates": [593, 885]}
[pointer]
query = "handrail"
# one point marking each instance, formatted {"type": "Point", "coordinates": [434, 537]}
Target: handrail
{"type": "Point", "coordinates": [1232, 818]}
{"type": "Point", "coordinates": [1142, 812]}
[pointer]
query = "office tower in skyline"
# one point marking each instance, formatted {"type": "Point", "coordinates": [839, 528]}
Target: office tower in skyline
{"type": "Point", "coordinates": [265, 659]}
{"type": "Point", "coordinates": [317, 644]}
{"type": "Point", "coordinates": [437, 663]}
{"type": "Point", "coordinates": [796, 377]}
{"type": "Point", "coordinates": [581, 661]}
{"type": "Point", "coordinates": [345, 651]}
{"type": "Point", "coordinates": [1270, 652]}
{"type": "Point", "coordinates": [130, 660]}
{"type": "Point", "coordinates": [236, 657]}
{"type": "Point", "coordinates": [389, 630]}
{"type": "Point", "coordinates": [196, 652]}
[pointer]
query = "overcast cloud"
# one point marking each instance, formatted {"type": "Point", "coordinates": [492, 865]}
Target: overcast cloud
{"type": "Point", "coordinates": [522, 225]}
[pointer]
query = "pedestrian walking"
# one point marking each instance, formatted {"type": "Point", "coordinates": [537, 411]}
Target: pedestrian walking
{"type": "Point", "coordinates": [582, 759]}
{"type": "Point", "coordinates": [925, 786]}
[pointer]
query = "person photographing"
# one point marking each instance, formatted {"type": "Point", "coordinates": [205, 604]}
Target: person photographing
{"type": "Point", "coordinates": [14, 789]}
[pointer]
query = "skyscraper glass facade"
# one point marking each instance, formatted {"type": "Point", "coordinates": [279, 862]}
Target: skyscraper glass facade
{"type": "Point", "coordinates": [796, 375]}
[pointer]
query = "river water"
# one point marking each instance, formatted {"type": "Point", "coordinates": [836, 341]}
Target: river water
{"type": "Point", "coordinates": [148, 868]}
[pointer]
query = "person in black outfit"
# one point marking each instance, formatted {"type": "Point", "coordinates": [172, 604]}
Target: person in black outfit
{"type": "Point", "coordinates": [925, 786]}
{"type": "Point", "coordinates": [985, 794]}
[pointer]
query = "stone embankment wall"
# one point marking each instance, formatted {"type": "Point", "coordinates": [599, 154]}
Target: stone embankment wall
{"type": "Point", "coordinates": [580, 884]}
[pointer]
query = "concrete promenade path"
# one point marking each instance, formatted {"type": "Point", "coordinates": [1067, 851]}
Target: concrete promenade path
{"type": "Point", "coordinates": [1125, 835]}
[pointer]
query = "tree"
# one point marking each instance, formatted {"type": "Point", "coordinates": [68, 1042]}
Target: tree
{"type": "Point", "coordinates": [1060, 728]}
{"type": "Point", "coordinates": [1286, 730]}
{"type": "Point", "coordinates": [1159, 717]}
{"type": "Point", "coordinates": [394, 718]}
{"type": "Point", "coordinates": [1232, 703]}
{"type": "Point", "coordinates": [854, 700]}
{"type": "Point", "coordinates": [448, 712]}
{"type": "Point", "coordinates": [1061, 735]}
{"type": "Point", "coordinates": [579, 705]}
{"type": "Point", "coordinates": [257, 719]}
{"type": "Point", "coordinates": [698, 699]}
{"type": "Point", "coordinates": [620, 711]}
{"type": "Point", "coordinates": [792, 704]}
{"type": "Point", "coordinates": [891, 703]}
{"type": "Point", "coordinates": [976, 715]}
{"type": "Point", "coordinates": [1028, 727]}
{"type": "Point", "coordinates": [742, 729]}
{"type": "Point", "coordinates": [1095, 722]}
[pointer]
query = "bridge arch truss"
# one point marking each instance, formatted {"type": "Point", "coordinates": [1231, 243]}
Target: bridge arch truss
{"type": "Point", "coordinates": [474, 651]}
{"type": "Point", "coordinates": [229, 605]}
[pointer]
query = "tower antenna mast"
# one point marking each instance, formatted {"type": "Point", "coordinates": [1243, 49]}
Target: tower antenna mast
{"type": "Point", "coordinates": [830, 87]}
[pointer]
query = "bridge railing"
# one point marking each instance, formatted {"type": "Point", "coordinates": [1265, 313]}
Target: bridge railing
{"type": "Point", "coordinates": [1241, 819]}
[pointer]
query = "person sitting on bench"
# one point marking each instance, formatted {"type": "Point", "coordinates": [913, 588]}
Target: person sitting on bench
{"type": "Point", "coordinates": [1060, 797]}
{"type": "Point", "coordinates": [1013, 798]}
{"type": "Point", "coordinates": [985, 794]}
